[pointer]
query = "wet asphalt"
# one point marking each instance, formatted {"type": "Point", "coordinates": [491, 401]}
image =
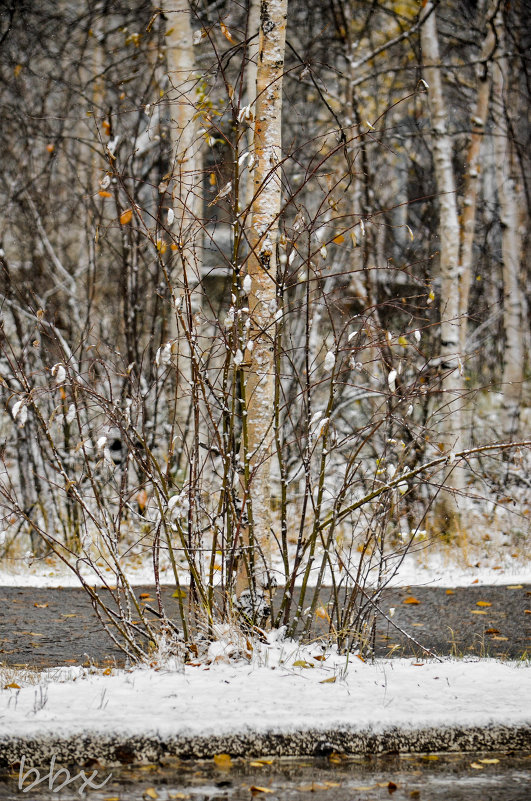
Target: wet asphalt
{"type": "Point", "coordinates": [47, 627]}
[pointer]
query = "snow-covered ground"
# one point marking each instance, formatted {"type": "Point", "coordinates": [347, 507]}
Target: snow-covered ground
{"type": "Point", "coordinates": [282, 688]}
{"type": "Point", "coordinates": [430, 566]}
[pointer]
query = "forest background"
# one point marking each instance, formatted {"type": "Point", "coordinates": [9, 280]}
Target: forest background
{"type": "Point", "coordinates": [264, 319]}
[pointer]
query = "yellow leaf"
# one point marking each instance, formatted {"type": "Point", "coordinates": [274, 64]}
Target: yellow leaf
{"type": "Point", "coordinates": [515, 587]}
{"type": "Point", "coordinates": [339, 239]}
{"type": "Point", "coordinates": [126, 216]}
{"type": "Point", "coordinates": [302, 663]}
{"type": "Point", "coordinates": [402, 341]}
{"type": "Point", "coordinates": [40, 606]}
{"type": "Point", "coordinates": [107, 671]}
{"type": "Point", "coordinates": [151, 793]}
{"type": "Point", "coordinates": [477, 612]}
{"type": "Point", "coordinates": [322, 613]}
{"type": "Point", "coordinates": [489, 761]}
{"type": "Point", "coordinates": [64, 614]}
{"type": "Point", "coordinates": [103, 193]}
{"type": "Point", "coordinates": [411, 600]}
{"type": "Point", "coordinates": [212, 179]}
{"type": "Point", "coordinates": [17, 70]}
{"type": "Point", "coordinates": [223, 760]}
{"type": "Point", "coordinates": [483, 603]}
{"type": "Point", "coordinates": [179, 594]}
{"type": "Point", "coordinates": [476, 766]}
{"type": "Point", "coordinates": [226, 33]}
{"type": "Point", "coordinates": [331, 680]}
{"type": "Point", "coordinates": [12, 686]}
{"type": "Point", "coordinates": [450, 592]}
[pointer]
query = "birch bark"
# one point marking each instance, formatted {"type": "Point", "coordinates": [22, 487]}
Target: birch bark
{"type": "Point", "coordinates": [258, 433]}
{"type": "Point", "coordinates": [186, 197]}
{"type": "Point", "coordinates": [473, 171]}
{"type": "Point", "coordinates": [512, 240]}
{"type": "Point", "coordinates": [449, 412]}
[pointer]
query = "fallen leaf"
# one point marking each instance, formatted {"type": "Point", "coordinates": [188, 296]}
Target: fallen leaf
{"type": "Point", "coordinates": [146, 595]}
{"type": "Point", "coordinates": [107, 671]}
{"type": "Point", "coordinates": [223, 760]}
{"type": "Point", "coordinates": [483, 603]}
{"type": "Point", "coordinates": [418, 664]}
{"type": "Point", "coordinates": [476, 581]}
{"type": "Point", "coordinates": [489, 761]}
{"type": "Point", "coordinates": [67, 615]}
{"type": "Point", "coordinates": [179, 594]}
{"type": "Point", "coordinates": [500, 639]}
{"type": "Point", "coordinates": [476, 766]}
{"type": "Point", "coordinates": [151, 793]}
{"type": "Point", "coordinates": [491, 631]}
{"type": "Point", "coordinates": [126, 216]}
{"type": "Point", "coordinates": [477, 612]}
{"type": "Point", "coordinates": [226, 33]}
{"type": "Point", "coordinates": [331, 680]}
{"type": "Point", "coordinates": [302, 663]}
{"type": "Point", "coordinates": [411, 600]}
{"type": "Point", "coordinates": [256, 789]}
{"type": "Point", "coordinates": [450, 592]}
{"type": "Point", "coordinates": [527, 612]}
{"type": "Point", "coordinates": [40, 606]}
{"type": "Point", "coordinates": [361, 658]}
{"type": "Point", "coordinates": [515, 587]}
{"type": "Point", "coordinates": [319, 658]}
{"type": "Point", "coordinates": [430, 757]}
{"type": "Point", "coordinates": [12, 686]}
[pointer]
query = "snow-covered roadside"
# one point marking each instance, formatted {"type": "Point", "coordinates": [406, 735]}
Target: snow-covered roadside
{"type": "Point", "coordinates": [283, 690]}
{"type": "Point", "coordinates": [430, 568]}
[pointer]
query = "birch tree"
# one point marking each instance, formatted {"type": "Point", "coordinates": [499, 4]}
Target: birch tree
{"type": "Point", "coordinates": [183, 214]}
{"type": "Point", "coordinates": [473, 170]}
{"type": "Point", "coordinates": [513, 354]}
{"type": "Point", "coordinates": [449, 412]}
{"type": "Point", "coordinates": [258, 433]}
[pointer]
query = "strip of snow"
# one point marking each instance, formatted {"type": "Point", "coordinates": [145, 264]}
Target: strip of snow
{"type": "Point", "coordinates": [270, 694]}
{"type": "Point", "coordinates": [435, 570]}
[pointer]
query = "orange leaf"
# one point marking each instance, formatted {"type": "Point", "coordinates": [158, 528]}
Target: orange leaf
{"type": "Point", "coordinates": [12, 686]}
{"type": "Point", "coordinates": [40, 606]}
{"type": "Point", "coordinates": [483, 603]}
{"type": "Point", "coordinates": [223, 760]}
{"type": "Point", "coordinates": [126, 216]}
{"type": "Point", "coordinates": [411, 600]}
{"type": "Point", "coordinates": [50, 148]}
{"type": "Point", "coordinates": [103, 193]}
{"type": "Point", "coordinates": [106, 127]}
{"type": "Point", "coordinates": [450, 592]}
{"type": "Point", "coordinates": [339, 239]}
{"type": "Point", "coordinates": [226, 33]}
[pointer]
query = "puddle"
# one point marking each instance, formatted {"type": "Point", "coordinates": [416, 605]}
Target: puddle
{"type": "Point", "coordinates": [429, 777]}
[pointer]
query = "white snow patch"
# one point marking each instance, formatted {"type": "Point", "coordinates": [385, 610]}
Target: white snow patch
{"type": "Point", "coordinates": [271, 694]}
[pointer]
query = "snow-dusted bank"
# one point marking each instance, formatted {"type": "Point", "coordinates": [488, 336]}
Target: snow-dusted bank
{"type": "Point", "coordinates": [286, 700]}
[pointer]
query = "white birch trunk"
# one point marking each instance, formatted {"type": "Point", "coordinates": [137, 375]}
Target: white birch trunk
{"type": "Point", "coordinates": [186, 194]}
{"type": "Point", "coordinates": [262, 267]}
{"type": "Point", "coordinates": [513, 362]}
{"type": "Point", "coordinates": [472, 179]}
{"type": "Point", "coordinates": [449, 412]}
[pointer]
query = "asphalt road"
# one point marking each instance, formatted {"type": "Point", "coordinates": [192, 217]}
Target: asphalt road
{"type": "Point", "coordinates": [48, 627]}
